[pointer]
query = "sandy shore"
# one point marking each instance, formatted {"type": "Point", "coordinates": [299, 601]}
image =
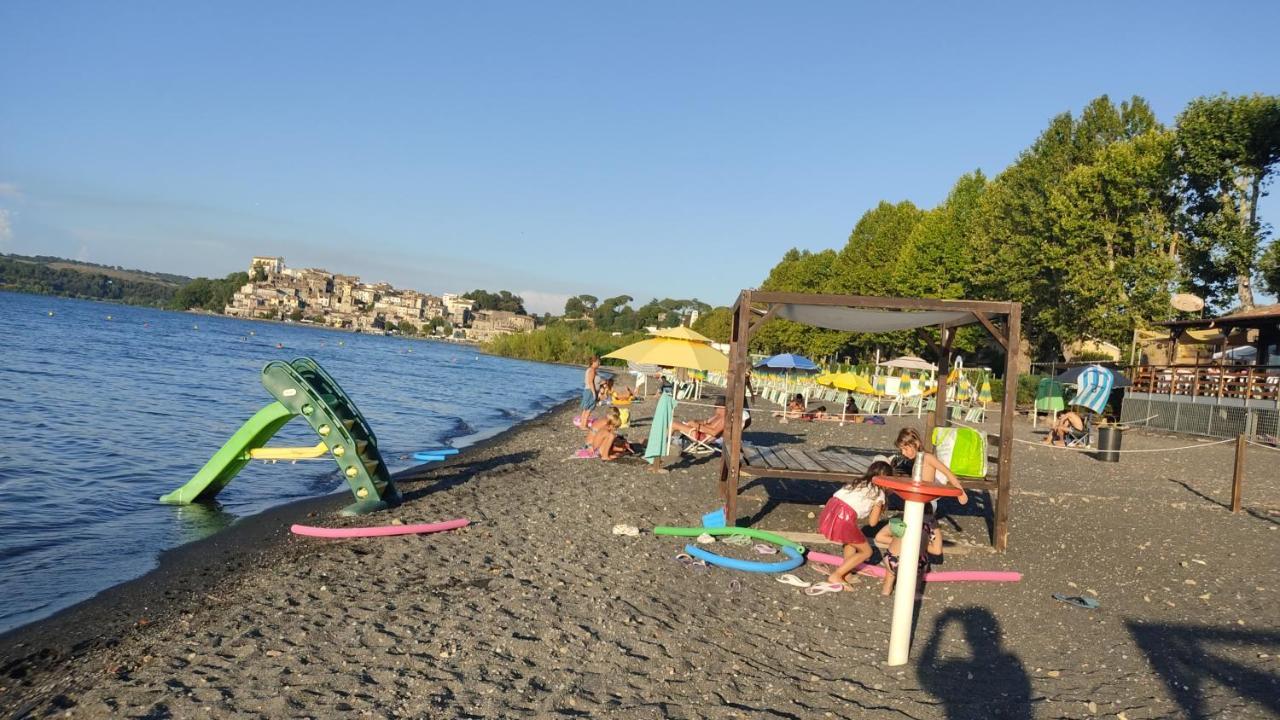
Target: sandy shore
{"type": "Point", "coordinates": [537, 610]}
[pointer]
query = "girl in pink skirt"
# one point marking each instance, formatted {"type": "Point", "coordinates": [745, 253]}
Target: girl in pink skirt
{"type": "Point", "coordinates": [840, 519]}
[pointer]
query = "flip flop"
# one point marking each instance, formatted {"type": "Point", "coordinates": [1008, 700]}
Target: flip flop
{"type": "Point", "coordinates": [823, 589]}
{"type": "Point", "coordinates": [705, 539]}
{"type": "Point", "coordinates": [764, 549]}
{"type": "Point", "coordinates": [736, 540]}
{"type": "Point", "coordinates": [691, 562]}
{"type": "Point", "coordinates": [735, 585]}
{"type": "Point", "coordinates": [792, 580]}
{"type": "Point", "coordinates": [1079, 601]}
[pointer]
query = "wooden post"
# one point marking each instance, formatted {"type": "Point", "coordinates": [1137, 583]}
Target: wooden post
{"type": "Point", "coordinates": [1007, 410]}
{"type": "Point", "coordinates": [1237, 478]}
{"type": "Point", "coordinates": [940, 418]}
{"type": "Point", "coordinates": [731, 464]}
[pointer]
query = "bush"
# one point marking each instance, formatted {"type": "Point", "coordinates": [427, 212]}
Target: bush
{"type": "Point", "coordinates": [1026, 389]}
{"type": "Point", "coordinates": [560, 343]}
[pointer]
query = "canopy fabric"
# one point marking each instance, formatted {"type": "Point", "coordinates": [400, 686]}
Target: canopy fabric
{"type": "Point", "coordinates": [682, 333]}
{"type": "Point", "coordinates": [909, 362]}
{"type": "Point", "coordinates": [788, 361]}
{"type": "Point", "coordinates": [868, 320]}
{"type": "Point", "coordinates": [673, 353]}
{"type": "Point", "coordinates": [1093, 388]}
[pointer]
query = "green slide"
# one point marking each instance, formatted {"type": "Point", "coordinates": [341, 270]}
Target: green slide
{"type": "Point", "coordinates": [302, 388]}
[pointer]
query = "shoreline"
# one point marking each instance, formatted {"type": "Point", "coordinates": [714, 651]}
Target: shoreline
{"type": "Point", "coordinates": [186, 573]}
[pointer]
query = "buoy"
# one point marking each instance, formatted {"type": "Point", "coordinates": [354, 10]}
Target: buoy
{"type": "Point", "coordinates": [108, 317]}
{"type": "Point", "coordinates": [50, 313]}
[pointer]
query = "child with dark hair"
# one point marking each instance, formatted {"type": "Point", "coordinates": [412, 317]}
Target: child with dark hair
{"type": "Point", "coordinates": [930, 545]}
{"type": "Point", "coordinates": [839, 521]}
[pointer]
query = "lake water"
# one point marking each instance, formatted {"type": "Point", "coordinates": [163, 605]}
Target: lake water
{"type": "Point", "coordinates": [105, 407]}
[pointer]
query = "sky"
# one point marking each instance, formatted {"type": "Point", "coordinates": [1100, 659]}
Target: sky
{"type": "Point", "coordinates": [655, 149]}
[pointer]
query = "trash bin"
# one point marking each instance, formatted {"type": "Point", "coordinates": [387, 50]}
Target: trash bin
{"type": "Point", "coordinates": [1109, 437]}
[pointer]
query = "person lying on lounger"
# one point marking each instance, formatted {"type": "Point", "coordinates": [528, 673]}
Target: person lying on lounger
{"type": "Point", "coordinates": [701, 430]}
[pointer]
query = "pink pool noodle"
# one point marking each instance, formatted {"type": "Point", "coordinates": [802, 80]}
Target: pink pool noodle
{"type": "Point", "coordinates": [380, 530]}
{"type": "Point", "coordinates": [940, 576]}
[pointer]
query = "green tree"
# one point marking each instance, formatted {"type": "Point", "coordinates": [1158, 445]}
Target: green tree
{"type": "Point", "coordinates": [715, 324]}
{"type": "Point", "coordinates": [937, 260]}
{"type": "Point", "coordinates": [1116, 217]}
{"type": "Point", "coordinates": [296, 315]}
{"type": "Point", "coordinates": [1269, 268]}
{"type": "Point", "coordinates": [1228, 149]}
{"type": "Point", "coordinates": [501, 300]}
{"type": "Point", "coordinates": [407, 328]}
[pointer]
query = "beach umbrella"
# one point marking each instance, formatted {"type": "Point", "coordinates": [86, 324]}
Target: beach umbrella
{"type": "Point", "coordinates": [1072, 376]}
{"type": "Point", "coordinates": [682, 333]}
{"type": "Point", "coordinates": [1093, 388]}
{"type": "Point", "coordinates": [851, 382]}
{"type": "Point", "coordinates": [670, 352]}
{"type": "Point", "coordinates": [984, 395]}
{"type": "Point", "coordinates": [788, 361]}
{"type": "Point", "coordinates": [909, 362]}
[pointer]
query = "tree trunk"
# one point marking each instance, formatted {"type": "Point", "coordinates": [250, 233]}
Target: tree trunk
{"type": "Point", "coordinates": [1244, 286]}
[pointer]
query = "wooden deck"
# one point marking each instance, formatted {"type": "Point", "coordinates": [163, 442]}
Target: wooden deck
{"type": "Point", "coordinates": [830, 465]}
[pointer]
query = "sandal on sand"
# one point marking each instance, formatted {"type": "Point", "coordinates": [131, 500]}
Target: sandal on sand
{"type": "Point", "coordinates": [628, 530]}
{"type": "Point", "coordinates": [692, 562]}
{"type": "Point", "coordinates": [792, 580]}
{"type": "Point", "coordinates": [705, 539]}
{"type": "Point", "coordinates": [764, 549]}
{"type": "Point", "coordinates": [823, 589]}
{"type": "Point", "coordinates": [736, 540]}
{"type": "Point", "coordinates": [1079, 601]}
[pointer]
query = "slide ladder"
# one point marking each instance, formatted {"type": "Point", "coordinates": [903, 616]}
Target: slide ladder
{"type": "Point", "coordinates": [302, 389]}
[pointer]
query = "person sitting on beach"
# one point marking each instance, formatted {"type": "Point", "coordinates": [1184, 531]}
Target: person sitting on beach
{"type": "Point", "coordinates": [626, 396]}
{"type": "Point", "coordinates": [588, 402]}
{"type": "Point", "coordinates": [1067, 422]}
{"type": "Point", "coordinates": [819, 414]}
{"type": "Point", "coordinates": [703, 430]}
{"type": "Point", "coordinates": [605, 440]}
{"type": "Point", "coordinates": [604, 393]}
{"type": "Point", "coordinates": [851, 406]}
{"type": "Point", "coordinates": [794, 409]}
{"type": "Point", "coordinates": [860, 500]}
{"type": "Point", "coordinates": [930, 547]}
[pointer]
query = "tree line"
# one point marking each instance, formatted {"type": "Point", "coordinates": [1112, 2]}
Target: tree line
{"type": "Point", "coordinates": [1092, 228]}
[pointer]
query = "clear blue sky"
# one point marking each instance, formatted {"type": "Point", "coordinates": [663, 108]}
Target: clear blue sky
{"type": "Point", "coordinates": [652, 149]}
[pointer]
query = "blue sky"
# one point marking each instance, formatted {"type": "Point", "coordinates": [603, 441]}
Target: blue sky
{"type": "Point", "coordinates": [655, 149]}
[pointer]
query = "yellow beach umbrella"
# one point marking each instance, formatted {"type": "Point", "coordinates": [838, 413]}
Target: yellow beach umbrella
{"type": "Point", "coordinates": [674, 353]}
{"type": "Point", "coordinates": [984, 395]}
{"type": "Point", "coordinates": [847, 381]}
{"type": "Point", "coordinates": [682, 333]}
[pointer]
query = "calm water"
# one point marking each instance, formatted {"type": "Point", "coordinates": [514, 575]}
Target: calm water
{"type": "Point", "coordinates": [100, 417]}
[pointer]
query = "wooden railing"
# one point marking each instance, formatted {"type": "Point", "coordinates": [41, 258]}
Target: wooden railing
{"type": "Point", "coordinates": [1253, 382]}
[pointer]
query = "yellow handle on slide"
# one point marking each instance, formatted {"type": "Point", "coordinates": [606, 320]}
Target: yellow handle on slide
{"type": "Point", "coordinates": [289, 453]}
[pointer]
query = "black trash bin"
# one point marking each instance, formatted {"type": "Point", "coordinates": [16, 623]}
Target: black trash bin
{"type": "Point", "coordinates": [1109, 437]}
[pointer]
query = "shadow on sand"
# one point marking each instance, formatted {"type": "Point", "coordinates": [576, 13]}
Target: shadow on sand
{"type": "Point", "coordinates": [1194, 658]}
{"type": "Point", "coordinates": [989, 682]}
{"type": "Point", "coordinates": [449, 476]}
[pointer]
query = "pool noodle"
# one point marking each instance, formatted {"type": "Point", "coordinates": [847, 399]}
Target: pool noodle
{"type": "Point", "coordinates": [379, 531]}
{"type": "Point", "coordinates": [937, 576]}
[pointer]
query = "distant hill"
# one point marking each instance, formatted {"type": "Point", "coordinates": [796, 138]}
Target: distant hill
{"type": "Point", "coordinates": [47, 275]}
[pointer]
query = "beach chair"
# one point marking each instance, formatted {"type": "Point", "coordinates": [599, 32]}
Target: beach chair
{"type": "Point", "coordinates": [1084, 436]}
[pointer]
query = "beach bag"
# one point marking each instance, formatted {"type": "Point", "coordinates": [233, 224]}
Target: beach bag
{"type": "Point", "coordinates": [962, 449]}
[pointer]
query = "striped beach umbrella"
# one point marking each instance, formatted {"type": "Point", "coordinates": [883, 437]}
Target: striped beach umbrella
{"type": "Point", "coordinates": [1093, 388]}
{"type": "Point", "coordinates": [984, 395]}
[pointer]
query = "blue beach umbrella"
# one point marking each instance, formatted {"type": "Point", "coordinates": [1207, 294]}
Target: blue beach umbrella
{"type": "Point", "coordinates": [788, 361]}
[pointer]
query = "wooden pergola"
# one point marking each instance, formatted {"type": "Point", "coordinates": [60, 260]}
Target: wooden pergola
{"type": "Point", "coordinates": [854, 313]}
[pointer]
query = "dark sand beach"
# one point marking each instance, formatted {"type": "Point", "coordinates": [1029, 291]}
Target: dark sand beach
{"type": "Point", "coordinates": [538, 610]}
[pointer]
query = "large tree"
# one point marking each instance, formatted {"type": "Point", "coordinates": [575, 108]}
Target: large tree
{"type": "Point", "coordinates": [1228, 149]}
{"type": "Point", "coordinates": [1115, 217]}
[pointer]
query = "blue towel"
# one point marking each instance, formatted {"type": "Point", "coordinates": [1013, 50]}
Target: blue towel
{"type": "Point", "coordinates": [660, 429]}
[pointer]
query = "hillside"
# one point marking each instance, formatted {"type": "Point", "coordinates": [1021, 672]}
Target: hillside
{"type": "Point", "coordinates": [46, 275]}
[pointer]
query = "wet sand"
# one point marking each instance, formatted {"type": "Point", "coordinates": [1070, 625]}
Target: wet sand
{"type": "Point", "coordinates": [537, 610]}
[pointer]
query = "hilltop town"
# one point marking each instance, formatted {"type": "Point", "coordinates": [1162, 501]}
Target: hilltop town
{"type": "Point", "coordinates": [278, 292]}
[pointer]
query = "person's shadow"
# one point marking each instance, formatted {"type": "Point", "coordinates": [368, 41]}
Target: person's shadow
{"type": "Point", "coordinates": [988, 682]}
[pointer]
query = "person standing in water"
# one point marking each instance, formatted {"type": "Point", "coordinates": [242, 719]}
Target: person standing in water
{"type": "Point", "coordinates": [588, 402]}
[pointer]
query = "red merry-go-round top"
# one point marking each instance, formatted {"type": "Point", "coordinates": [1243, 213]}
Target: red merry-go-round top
{"type": "Point", "coordinates": [914, 491]}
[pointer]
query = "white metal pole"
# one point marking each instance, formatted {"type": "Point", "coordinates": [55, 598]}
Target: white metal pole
{"type": "Point", "coordinates": [904, 595]}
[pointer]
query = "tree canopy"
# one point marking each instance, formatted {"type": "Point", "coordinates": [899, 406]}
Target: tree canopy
{"type": "Point", "coordinates": [501, 300]}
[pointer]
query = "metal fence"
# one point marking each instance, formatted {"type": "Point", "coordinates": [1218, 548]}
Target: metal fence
{"type": "Point", "coordinates": [1208, 419]}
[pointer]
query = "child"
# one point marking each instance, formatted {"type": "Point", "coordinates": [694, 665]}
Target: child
{"type": "Point", "coordinates": [588, 402]}
{"type": "Point", "coordinates": [605, 393]}
{"type": "Point", "coordinates": [909, 444]}
{"type": "Point", "coordinates": [930, 544]}
{"type": "Point", "coordinates": [839, 519]}
{"type": "Point", "coordinates": [607, 444]}
{"type": "Point", "coordinates": [819, 414]}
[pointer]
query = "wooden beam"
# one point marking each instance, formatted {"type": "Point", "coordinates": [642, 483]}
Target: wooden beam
{"type": "Point", "coordinates": [739, 363]}
{"type": "Point", "coordinates": [764, 317]}
{"type": "Point", "coordinates": [939, 418]}
{"type": "Point", "coordinates": [991, 328]}
{"type": "Point", "coordinates": [1008, 408]}
{"type": "Point", "coordinates": [881, 303]}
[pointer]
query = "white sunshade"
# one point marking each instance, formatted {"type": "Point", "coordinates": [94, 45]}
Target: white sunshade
{"type": "Point", "coordinates": [868, 320]}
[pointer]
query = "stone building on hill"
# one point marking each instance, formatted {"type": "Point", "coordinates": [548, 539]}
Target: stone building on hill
{"type": "Point", "coordinates": [278, 292]}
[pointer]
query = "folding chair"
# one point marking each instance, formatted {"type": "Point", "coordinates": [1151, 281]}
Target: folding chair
{"type": "Point", "coordinates": [1084, 436]}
